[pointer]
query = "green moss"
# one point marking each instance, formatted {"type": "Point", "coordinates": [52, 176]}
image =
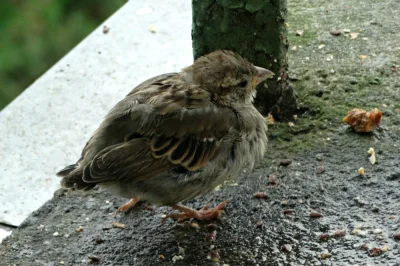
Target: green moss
{"type": "Point", "coordinates": [326, 105]}
{"type": "Point", "coordinates": [300, 22]}
{"type": "Point", "coordinates": [306, 39]}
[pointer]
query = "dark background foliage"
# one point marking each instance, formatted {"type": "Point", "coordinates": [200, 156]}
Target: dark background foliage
{"type": "Point", "coordinates": [34, 34]}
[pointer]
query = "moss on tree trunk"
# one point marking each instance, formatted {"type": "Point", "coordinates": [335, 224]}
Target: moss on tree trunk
{"type": "Point", "coordinates": [256, 30]}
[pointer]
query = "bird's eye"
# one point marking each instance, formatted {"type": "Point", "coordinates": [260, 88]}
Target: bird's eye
{"type": "Point", "coordinates": [243, 83]}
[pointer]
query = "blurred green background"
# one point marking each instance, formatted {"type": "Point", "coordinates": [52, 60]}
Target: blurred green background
{"type": "Point", "coordinates": [35, 34]}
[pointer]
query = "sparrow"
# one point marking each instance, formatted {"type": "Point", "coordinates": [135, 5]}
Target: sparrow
{"type": "Point", "coordinates": [177, 136]}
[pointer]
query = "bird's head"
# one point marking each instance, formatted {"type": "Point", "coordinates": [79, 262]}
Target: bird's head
{"type": "Point", "coordinates": [230, 79]}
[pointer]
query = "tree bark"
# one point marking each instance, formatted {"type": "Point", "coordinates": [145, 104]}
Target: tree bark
{"type": "Point", "coordinates": [256, 30]}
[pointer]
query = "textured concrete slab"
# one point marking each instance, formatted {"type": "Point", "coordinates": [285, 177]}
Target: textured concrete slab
{"type": "Point", "coordinates": [46, 127]}
{"type": "Point", "coordinates": [4, 234]}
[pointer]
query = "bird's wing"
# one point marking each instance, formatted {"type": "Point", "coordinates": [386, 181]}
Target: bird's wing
{"type": "Point", "coordinates": [177, 126]}
{"type": "Point", "coordinates": [130, 159]}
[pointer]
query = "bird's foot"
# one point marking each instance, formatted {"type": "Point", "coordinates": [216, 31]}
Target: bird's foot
{"type": "Point", "coordinates": [125, 207]}
{"type": "Point", "coordinates": [204, 213]}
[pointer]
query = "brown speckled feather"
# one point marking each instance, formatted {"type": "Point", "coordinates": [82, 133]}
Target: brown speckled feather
{"type": "Point", "coordinates": [160, 124]}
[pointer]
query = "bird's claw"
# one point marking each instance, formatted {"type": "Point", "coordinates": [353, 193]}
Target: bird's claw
{"type": "Point", "coordinates": [204, 213]}
{"type": "Point", "coordinates": [125, 207]}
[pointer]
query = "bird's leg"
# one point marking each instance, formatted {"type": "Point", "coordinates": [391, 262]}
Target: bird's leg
{"type": "Point", "coordinates": [125, 207]}
{"type": "Point", "coordinates": [204, 213]}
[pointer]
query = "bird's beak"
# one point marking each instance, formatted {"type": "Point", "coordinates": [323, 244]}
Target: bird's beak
{"type": "Point", "coordinates": [262, 75]}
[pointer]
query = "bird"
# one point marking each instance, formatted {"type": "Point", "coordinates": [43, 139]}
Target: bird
{"type": "Point", "coordinates": [177, 136]}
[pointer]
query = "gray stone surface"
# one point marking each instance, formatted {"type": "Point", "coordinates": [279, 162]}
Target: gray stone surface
{"type": "Point", "coordinates": [45, 128]}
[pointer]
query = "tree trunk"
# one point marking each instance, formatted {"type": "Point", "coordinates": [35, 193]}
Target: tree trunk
{"type": "Point", "coordinates": [256, 30]}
